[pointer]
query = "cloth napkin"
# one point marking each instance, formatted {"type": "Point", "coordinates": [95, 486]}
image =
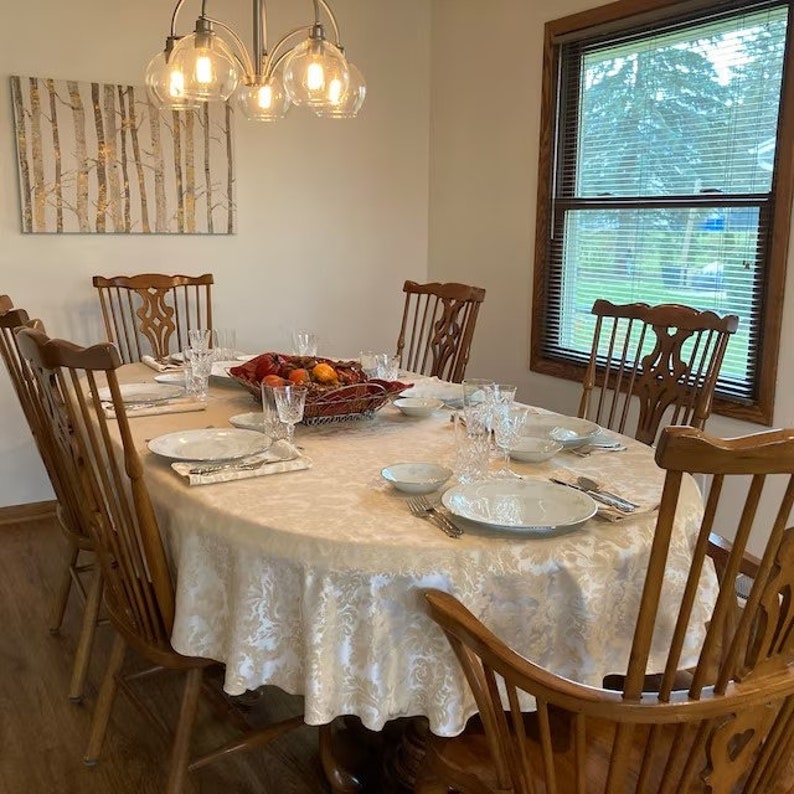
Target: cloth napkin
{"type": "Point", "coordinates": [159, 366]}
{"type": "Point", "coordinates": [177, 406]}
{"type": "Point", "coordinates": [281, 456]}
{"type": "Point", "coordinates": [606, 512]}
{"type": "Point", "coordinates": [436, 389]}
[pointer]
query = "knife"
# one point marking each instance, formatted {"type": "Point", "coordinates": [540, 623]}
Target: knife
{"type": "Point", "coordinates": [616, 502]}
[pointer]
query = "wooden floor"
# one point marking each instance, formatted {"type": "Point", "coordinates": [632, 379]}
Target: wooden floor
{"type": "Point", "coordinates": [43, 735]}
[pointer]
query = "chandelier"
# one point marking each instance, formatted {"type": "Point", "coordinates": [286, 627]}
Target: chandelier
{"type": "Point", "coordinates": [302, 68]}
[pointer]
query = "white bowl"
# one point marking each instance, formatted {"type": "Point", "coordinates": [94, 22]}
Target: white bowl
{"type": "Point", "coordinates": [416, 477]}
{"type": "Point", "coordinates": [417, 406]}
{"type": "Point", "coordinates": [534, 450]}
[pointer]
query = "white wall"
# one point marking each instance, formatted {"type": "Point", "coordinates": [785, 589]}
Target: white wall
{"type": "Point", "coordinates": [332, 215]}
{"type": "Point", "coordinates": [485, 118]}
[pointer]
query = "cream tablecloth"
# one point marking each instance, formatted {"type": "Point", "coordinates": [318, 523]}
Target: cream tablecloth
{"type": "Point", "coordinates": [312, 580]}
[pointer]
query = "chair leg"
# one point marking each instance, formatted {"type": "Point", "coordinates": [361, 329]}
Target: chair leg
{"type": "Point", "coordinates": [85, 643]}
{"type": "Point", "coordinates": [104, 705]}
{"type": "Point", "coordinates": [184, 729]}
{"type": "Point", "coordinates": [65, 587]}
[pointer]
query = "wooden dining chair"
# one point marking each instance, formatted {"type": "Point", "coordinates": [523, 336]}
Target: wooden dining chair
{"type": "Point", "coordinates": [666, 358]}
{"type": "Point", "coordinates": [79, 573]}
{"type": "Point", "coordinates": [115, 504]}
{"type": "Point", "coordinates": [733, 728]}
{"type": "Point", "coordinates": [151, 313]}
{"type": "Point", "coordinates": [437, 328]}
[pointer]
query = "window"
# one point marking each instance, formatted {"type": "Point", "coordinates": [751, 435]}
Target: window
{"type": "Point", "coordinates": [666, 177]}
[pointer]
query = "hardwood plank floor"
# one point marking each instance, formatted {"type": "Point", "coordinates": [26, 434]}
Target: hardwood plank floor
{"type": "Point", "coordinates": [43, 735]}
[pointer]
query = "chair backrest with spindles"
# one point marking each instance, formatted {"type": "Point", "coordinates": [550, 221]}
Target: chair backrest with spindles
{"type": "Point", "coordinates": [109, 492]}
{"type": "Point", "coordinates": [733, 729]}
{"type": "Point", "coordinates": [666, 358]}
{"type": "Point", "coordinates": [151, 313]}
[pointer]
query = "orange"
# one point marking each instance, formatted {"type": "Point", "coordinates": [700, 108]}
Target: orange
{"type": "Point", "coordinates": [274, 380]}
{"type": "Point", "coordinates": [324, 373]}
{"type": "Point", "coordinates": [299, 375]}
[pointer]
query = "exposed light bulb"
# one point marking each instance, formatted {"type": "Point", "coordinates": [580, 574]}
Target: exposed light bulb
{"type": "Point", "coordinates": [315, 77]}
{"type": "Point", "coordinates": [176, 83]}
{"type": "Point", "coordinates": [264, 97]}
{"type": "Point", "coordinates": [204, 69]}
{"type": "Point", "coordinates": [335, 90]}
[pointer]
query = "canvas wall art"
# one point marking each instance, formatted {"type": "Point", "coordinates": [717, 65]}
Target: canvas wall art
{"type": "Point", "coordinates": [101, 158]}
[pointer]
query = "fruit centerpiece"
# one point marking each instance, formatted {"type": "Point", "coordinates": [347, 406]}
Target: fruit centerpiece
{"type": "Point", "coordinates": [336, 390]}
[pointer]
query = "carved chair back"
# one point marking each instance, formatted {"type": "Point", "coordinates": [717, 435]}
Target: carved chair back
{"type": "Point", "coordinates": [732, 730]}
{"type": "Point", "coordinates": [437, 328]}
{"type": "Point", "coordinates": [151, 313]}
{"type": "Point", "coordinates": [666, 357]}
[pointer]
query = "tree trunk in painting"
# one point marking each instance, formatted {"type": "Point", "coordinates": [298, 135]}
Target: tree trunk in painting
{"type": "Point", "coordinates": [22, 149]}
{"type": "Point", "coordinates": [56, 150]}
{"type": "Point", "coordinates": [136, 153]}
{"type": "Point", "coordinates": [124, 126]}
{"type": "Point", "coordinates": [112, 159]}
{"type": "Point", "coordinates": [39, 191]}
{"type": "Point", "coordinates": [101, 161]}
{"type": "Point", "coordinates": [81, 156]}
{"type": "Point", "coordinates": [230, 170]}
{"type": "Point", "coordinates": [180, 195]}
{"type": "Point", "coordinates": [159, 170]}
{"type": "Point", "coordinates": [190, 172]}
{"type": "Point", "coordinates": [205, 122]}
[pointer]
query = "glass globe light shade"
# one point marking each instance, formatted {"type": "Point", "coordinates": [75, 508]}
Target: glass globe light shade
{"type": "Point", "coordinates": [263, 100]}
{"type": "Point", "coordinates": [166, 84]}
{"type": "Point", "coordinates": [344, 105]}
{"type": "Point", "coordinates": [313, 67]}
{"type": "Point", "coordinates": [208, 65]}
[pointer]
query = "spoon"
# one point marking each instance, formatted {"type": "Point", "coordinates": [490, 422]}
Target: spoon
{"type": "Point", "coordinates": [592, 486]}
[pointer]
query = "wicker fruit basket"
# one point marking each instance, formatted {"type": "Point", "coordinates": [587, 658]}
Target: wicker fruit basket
{"type": "Point", "coordinates": [337, 391]}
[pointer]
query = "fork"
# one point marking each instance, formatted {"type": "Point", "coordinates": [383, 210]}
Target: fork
{"type": "Point", "coordinates": [421, 507]}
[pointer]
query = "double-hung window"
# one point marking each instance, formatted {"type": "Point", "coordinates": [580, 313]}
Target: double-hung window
{"type": "Point", "coordinates": [666, 177]}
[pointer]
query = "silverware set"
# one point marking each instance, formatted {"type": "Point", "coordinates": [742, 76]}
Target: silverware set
{"type": "Point", "coordinates": [592, 489]}
{"type": "Point", "coordinates": [421, 507]}
{"type": "Point", "coordinates": [234, 465]}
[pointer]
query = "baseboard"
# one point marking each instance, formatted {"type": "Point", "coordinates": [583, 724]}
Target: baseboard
{"type": "Point", "coordinates": [33, 511]}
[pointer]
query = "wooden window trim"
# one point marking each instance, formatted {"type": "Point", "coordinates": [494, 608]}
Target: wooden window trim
{"type": "Point", "coordinates": [612, 17]}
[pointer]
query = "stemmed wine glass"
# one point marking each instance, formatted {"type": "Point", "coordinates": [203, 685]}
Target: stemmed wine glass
{"type": "Point", "coordinates": [290, 402]}
{"type": "Point", "coordinates": [508, 419]}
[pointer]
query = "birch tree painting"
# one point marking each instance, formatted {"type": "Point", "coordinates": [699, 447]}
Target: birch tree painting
{"type": "Point", "coordinates": [101, 158]}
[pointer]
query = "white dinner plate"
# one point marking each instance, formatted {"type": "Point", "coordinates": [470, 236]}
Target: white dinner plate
{"type": "Point", "coordinates": [531, 506]}
{"type": "Point", "coordinates": [570, 431]}
{"type": "Point", "coordinates": [171, 377]}
{"type": "Point", "coordinates": [219, 369]}
{"type": "Point", "coordinates": [210, 444]}
{"type": "Point", "coordinates": [451, 394]}
{"type": "Point", "coordinates": [250, 421]}
{"type": "Point", "coordinates": [143, 392]}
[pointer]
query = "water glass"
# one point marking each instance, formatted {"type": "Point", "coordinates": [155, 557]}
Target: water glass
{"type": "Point", "coordinates": [273, 426]}
{"type": "Point", "coordinates": [472, 450]}
{"type": "Point", "coordinates": [477, 404]}
{"type": "Point", "coordinates": [369, 362]}
{"type": "Point", "coordinates": [387, 367]}
{"type": "Point", "coordinates": [198, 338]}
{"type": "Point", "coordinates": [198, 366]}
{"type": "Point", "coordinates": [225, 344]}
{"type": "Point", "coordinates": [304, 343]}
{"type": "Point", "coordinates": [290, 402]}
{"type": "Point", "coordinates": [508, 420]}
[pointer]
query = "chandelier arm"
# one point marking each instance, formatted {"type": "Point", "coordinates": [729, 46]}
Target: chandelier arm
{"type": "Point", "coordinates": [242, 56]}
{"type": "Point", "coordinates": [260, 36]}
{"type": "Point", "coordinates": [174, 15]}
{"type": "Point", "coordinates": [331, 17]}
{"type": "Point", "coordinates": [273, 59]}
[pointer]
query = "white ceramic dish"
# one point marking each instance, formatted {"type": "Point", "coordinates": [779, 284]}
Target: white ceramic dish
{"type": "Point", "coordinates": [416, 477]}
{"type": "Point", "coordinates": [143, 392]}
{"type": "Point", "coordinates": [532, 506]}
{"type": "Point", "coordinates": [245, 356]}
{"type": "Point", "coordinates": [171, 377]}
{"type": "Point", "coordinates": [418, 406]}
{"type": "Point", "coordinates": [529, 449]}
{"type": "Point", "coordinates": [210, 444]}
{"type": "Point", "coordinates": [570, 431]}
{"type": "Point", "coordinates": [250, 421]}
{"type": "Point", "coordinates": [451, 394]}
{"type": "Point", "coordinates": [219, 369]}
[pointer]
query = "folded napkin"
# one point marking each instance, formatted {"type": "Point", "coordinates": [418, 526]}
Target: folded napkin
{"type": "Point", "coordinates": [177, 406]}
{"type": "Point", "coordinates": [152, 362]}
{"type": "Point", "coordinates": [281, 456]}
{"type": "Point", "coordinates": [605, 511]}
{"type": "Point", "coordinates": [436, 389]}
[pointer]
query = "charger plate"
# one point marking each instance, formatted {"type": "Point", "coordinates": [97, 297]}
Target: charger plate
{"type": "Point", "coordinates": [143, 392]}
{"type": "Point", "coordinates": [209, 444]}
{"type": "Point", "coordinates": [530, 506]}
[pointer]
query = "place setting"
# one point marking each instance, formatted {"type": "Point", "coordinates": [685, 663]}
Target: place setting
{"type": "Point", "coordinates": [150, 399]}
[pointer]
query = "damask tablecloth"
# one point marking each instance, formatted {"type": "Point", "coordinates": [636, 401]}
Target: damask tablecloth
{"type": "Point", "coordinates": [312, 580]}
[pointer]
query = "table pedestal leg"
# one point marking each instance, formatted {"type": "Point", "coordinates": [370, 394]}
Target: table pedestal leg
{"type": "Point", "coordinates": [346, 754]}
{"type": "Point", "coordinates": [403, 761]}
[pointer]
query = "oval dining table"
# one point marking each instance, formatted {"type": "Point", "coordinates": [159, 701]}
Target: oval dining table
{"type": "Point", "coordinates": [311, 580]}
